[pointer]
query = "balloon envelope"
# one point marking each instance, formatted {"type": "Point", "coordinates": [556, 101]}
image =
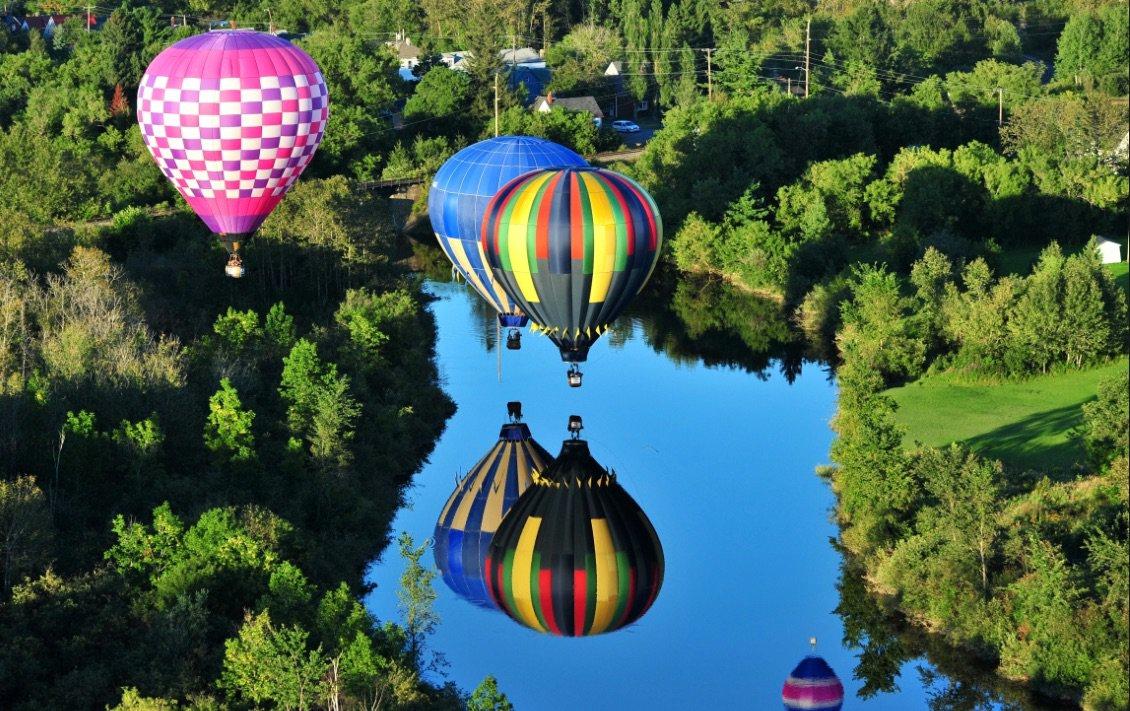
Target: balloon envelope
{"type": "Point", "coordinates": [572, 247]}
{"type": "Point", "coordinates": [232, 118]}
{"type": "Point", "coordinates": [477, 506]}
{"type": "Point", "coordinates": [576, 555]}
{"type": "Point", "coordinates": [813, 685]}
{"type": "Point", "coordinates": [465, 184]}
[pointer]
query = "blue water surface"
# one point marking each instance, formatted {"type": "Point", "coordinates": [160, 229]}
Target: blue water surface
{"type": "Point", "coordinates": [723, 463]}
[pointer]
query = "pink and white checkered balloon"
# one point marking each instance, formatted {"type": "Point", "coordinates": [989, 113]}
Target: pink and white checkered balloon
{"type": "Point", "coordinates": [232, 118]}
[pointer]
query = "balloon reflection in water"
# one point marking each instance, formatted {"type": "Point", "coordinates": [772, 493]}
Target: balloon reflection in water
{"type": "Point", "coordinates": [813, 685]}
{"type": "Point", "coordinates": [480, 502]}
{"type": "Point", "coordinates": [576, 555]}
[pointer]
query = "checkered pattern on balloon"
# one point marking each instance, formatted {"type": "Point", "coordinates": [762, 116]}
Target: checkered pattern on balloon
{"type": "Point", "coordinates": [232, 122]}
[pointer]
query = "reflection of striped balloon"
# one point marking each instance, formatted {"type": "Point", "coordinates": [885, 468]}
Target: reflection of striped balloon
{"type": "Point", "coordinates": [465, 184]}
{"type": "Point", "coordinates": [572, 248]}
{"type": "Point", "coordinates": [476, 508]}
{"type": "Point", "coordinates": [813, 685]}
{"type": "Point", "coordinates": [576, 555]}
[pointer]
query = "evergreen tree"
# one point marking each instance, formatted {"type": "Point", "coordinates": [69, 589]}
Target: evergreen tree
{"type": "Point", "coordinates": [227, 431]}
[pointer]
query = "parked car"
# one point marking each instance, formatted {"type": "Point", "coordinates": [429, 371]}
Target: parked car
{"type": "Point", "coordinates": [625, 126]}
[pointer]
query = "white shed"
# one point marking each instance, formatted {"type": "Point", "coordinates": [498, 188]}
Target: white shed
{"type": "Point", "coordinates": [1110, 252]}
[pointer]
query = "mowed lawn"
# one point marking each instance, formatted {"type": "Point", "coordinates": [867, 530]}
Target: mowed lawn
{"type": "Point", "coordinates": [1028, 424]}
{"type": "Point", "coordinates": [1121, 272]}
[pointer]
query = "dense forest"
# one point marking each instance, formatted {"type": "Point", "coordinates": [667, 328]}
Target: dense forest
{"type": "Point", "coordinates": [196, 472]}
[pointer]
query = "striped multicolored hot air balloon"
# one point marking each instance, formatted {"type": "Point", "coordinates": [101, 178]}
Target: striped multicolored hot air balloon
{"type": "Point", "coordinates": [459, 196]}
{"type": "Point", "coordinates": [232, 118]}
{"type": "Point", "coordinates": [572, 248]}
{"type": "Point", "coordinates": [477, 506]}
{"type": "Point", "coordinates": [813, 685]}
{"type": "Point", "coordinates": [576, 555]}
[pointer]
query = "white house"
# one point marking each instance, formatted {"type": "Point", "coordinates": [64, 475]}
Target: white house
{"type": "Point", "coordinates": [1110, 252]}
{"type": "Point", "coordinates": [406, 52]}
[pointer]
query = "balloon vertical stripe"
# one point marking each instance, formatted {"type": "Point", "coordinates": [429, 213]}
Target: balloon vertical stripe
{"type": "Point", "coordinates": [567, 558]}
{"type": "Point", "coordinates": [477, 507]}
{"type": "Point", "coordinates": [571, 247]}
{"type": "Point", "coordinates": [461, 191]}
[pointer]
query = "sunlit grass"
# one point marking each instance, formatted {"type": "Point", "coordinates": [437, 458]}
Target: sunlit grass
{"type": "Point", "coordinates": [1026, 423]}
{"type": "Point", "coordinates": [1121, 272]}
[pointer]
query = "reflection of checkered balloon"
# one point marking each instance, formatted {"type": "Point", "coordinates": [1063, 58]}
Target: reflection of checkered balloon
{"type": "Point", "coordinates": [232, 118]}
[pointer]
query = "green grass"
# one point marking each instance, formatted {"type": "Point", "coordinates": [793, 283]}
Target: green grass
{"type": "Point", "coordinates": [1121, 272]}
{"type": "Point", "coordinates": [1027, 424]}
{"type": "Point", "coordinates": [1018, 260]}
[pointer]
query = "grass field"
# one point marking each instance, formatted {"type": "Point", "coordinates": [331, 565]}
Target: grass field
{"type": "Point", "coordinates": [1027, 424]}
{"type": "Point", "coordinates": [1121, 272]}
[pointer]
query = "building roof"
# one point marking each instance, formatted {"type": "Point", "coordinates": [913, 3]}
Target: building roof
{"type": "Point", "coordinates": [520, 55]}
{"type": "Point", "coordinates": [405, 49]}
{"type": "Point", "coordinates": [571, 103]}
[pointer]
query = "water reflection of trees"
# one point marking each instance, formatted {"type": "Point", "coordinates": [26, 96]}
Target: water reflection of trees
{"type": "Point", "coordinates": [689, 320]}
{"type": "Point", "coordinates": [709, 321]}
{"type": "Point", "coordinates": [884, 643]}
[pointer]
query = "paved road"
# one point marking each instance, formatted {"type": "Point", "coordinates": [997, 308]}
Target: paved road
{"type": "Point", "coordinates": [639, 139]}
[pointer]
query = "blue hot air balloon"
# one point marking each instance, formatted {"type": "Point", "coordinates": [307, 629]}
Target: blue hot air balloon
{"type": "Point", "coordinates": [458, 198]}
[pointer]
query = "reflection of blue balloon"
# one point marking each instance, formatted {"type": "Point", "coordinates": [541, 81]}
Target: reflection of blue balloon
{"type": "Point", "coordinates": [477, 506]}
{"type": "Point", "coordinates": [463, 187]}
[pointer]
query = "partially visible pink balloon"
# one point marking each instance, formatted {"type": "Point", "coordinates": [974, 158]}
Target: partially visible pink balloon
{"type": "Point", "coordinates": [232, 118]}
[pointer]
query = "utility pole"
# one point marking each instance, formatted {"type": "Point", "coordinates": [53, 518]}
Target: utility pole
{"type": "Point", "coordinates": [496, 104]}
{"type": "Point", "coordinates": [807, 53]}
{"type": "Point", "coordinates": [89, 9]}
{"type": "Point", "coordinates": [789, 85]}
{"type": "Point", "coordinates": [709, 74]}
{"type": "Point", "coordinates": [1000, 107]}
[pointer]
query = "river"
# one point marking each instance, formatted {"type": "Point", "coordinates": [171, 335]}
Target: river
{"type": "Point", "coordinates": [715, 424]}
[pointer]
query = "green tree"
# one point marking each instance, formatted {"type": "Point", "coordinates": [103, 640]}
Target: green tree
{"type": "Point", "coordinates": [278, 329]}
{"type": "Point", "coordinates": [931, 276]}
{"type": "Point", "coordinates": [879, 334]}
{"type": "Point", "coordinates": [488, 697]}
{"type": "Point", "coordinates": [302, 375]}
{"type": "Point", "coordinates": [1106, 422]}
{"type": "Point", "coordinates": [237, 330]}
{"type": "Point", "coordinates": [738, 70]}
{"type": "Point", "coordinates": [580, 59]}
{"type": "Point", "coordinates": [417, 596]}
{"type": "Point", "coordinates": [267, 664]}
{"type": "Point", "coordinates": [1046, 640]}
{"type": "Point", "coordinates": [227, 431]}
{"type": "Point", "coordinates": [441, 98]}
{"type": "Point", "coordinates": [686, 87]}
{"type": "Point", "coordinates": [332, 424]}
{"type": "Point", "coordinates": [1093, 46]}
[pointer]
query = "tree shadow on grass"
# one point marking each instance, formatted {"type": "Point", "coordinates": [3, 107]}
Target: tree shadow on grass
{"type": "Point", "coordinates": [1023, 444]}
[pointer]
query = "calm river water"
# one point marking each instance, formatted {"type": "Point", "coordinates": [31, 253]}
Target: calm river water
{"type": "Point", "coordinates": [722, 459]}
